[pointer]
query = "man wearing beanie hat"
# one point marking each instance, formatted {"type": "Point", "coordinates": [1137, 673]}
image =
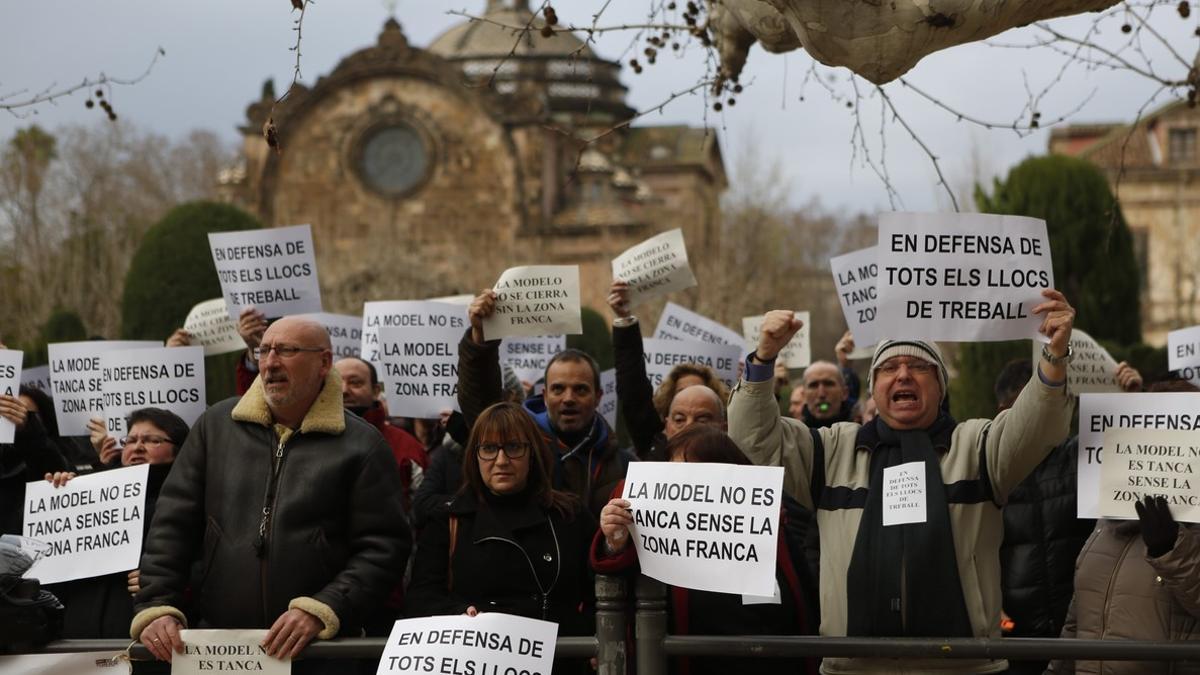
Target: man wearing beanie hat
{"type": "Point", "coordinates": [940, 576]}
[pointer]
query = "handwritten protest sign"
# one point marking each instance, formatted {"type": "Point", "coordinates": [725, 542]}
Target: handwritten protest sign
{"type": "Point", "coordinates": [420, 362]}
{"type": "Point", "coordinates": [211, 326]}
{"type": "Point", "coordinates": [854, 277]}
{"type": "Point", "coordinates": [1142, 462]}
{"type": "Point", "coordinates": [536, 300]}
{"type": "Point", "coordinates": [403, 314]}
{"type": "Point", "coordinates": [78, 663]}
{"type": "Point", "coordinates": [38, 378]}
{"type": "Point", "coordinates": [608, 397]}
{"type": "Point", "coordinates": [487, 644]}
{"type": "Point", "coordinates": [528, 356]}
{"type": "Point", "coordinates": [966, 277]}
{"type": "Point", "coordinates": [10, 385]}
{"type": "Point", "coordinates": [711, 527]}
{"type": "Point", "coordinates": [663, 355]}
{"type": "Point", "coordinates": [656, 266]}
{"type": "Point", "coordinates": [171, 378]}
{"type": "Point", "coordinates": [76, 378]}
{"type": "Point", "coordinates": [345, 332]}
{"type": "Point", "coordinates": [680, 323]}
{"type": "Point", "coordinates": [797, 353]}
{"type": "Point", "coordinates": [225, 651]}
{"type": "Point", "coordinates": [1100, 412]}
{"type": "Point", "coordinates": [1092, 369]}
{"type": "Point", "coordinates": [93, 524]}
{"type": "Point", "coordinates": [274, 270]}
{"type": "Point", "coordinates": [1183, 352]}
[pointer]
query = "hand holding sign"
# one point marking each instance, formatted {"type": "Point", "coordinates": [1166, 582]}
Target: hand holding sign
{"type": "Point", "coordinates": [1128, 377]}
{"type": "Point", "coordinates": [615, 520]}
{"type": "Point", "coordinates": [778, 327]}
{"type": "Point", "coordinates": [656, 266]}
{"type": "Point", "coordinates": [618, 299]}
{"type": "Point", "coordinates": [481, 308]}
{"type": "Point", "coordinates": [1058, 319]}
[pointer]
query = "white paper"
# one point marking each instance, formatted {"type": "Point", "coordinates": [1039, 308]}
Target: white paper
{"type": "Point", "coordinates": [38, 378]}
{"type": "Point", "coordinates": [608, 399]}
{"type": "Point", "coordinates": [75, 377]}
{"type": "Point", "coordinates": [966, 277]}
{"type": "Point", "coordinates": [403, 314]}
{"type": "Point", "coordinates": [655, 267]}
{"type": "Point", "coordinates": [854, 277]}
{"type": "Point", "coordinates": [797, 353]}
{"type": "Point", "coordinates": [1092, 369]}
{"type": "Point", "coordinates": [1099, 412]}
{"type": "Point", "coordinates": [710, 527]}
{"type": "Point", "coordinates": [1183, 348]}
{"type": "Point", "coordinates": [211, 326]}
{"type": "Point", "coordinates": [171, 378]}
{"type": "Point", "coordinates": [680, 323]}
{"type": "Point", "coordinates": [93, 524]}
{"type": "Point", "coordinates": [345, 332]}
{"type": "Point", "coordinates": [463, 299]}
{"type": "Point", "coordinates": [453, 645]}
{"type": "Point", "coordinates": [10, 385]}
{"type": "Point", "coordinates": [77, 663]}
{"type": "Point", "coordinates": [536, 300]}
{"type": "Point", "coordinates": [225, 651]}
{"type": "Point", "coordinates": [528, 356]}
{"type": "Point", "coordinates": [660, 356]}
{"type": "Point", "coordinates": [1143, 462]}
{"type": "Point", "coordinates": [773, 599]}
{"type": "Point", "coordinates": [273, 270]}
{"type": "Point", "coordinates": [904, 496]}
{"type": "Point", "coordinates": [420, 363]}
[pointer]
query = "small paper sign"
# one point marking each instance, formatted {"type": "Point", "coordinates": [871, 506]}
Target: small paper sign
{"type": "Point", "coordinates": [345, 332]}
{"type": "Point", "coordinates": [1092, 369]}
{"type": "Point", "coordinates": [680, 323]}
{"type": "Point", "coordinates": [273, 270]}
{"type": "Point", "coordinates": [854, 278]}
{"type": "Point", "coordinates": [225, 651]}
{"type": "Point", "coordinates": [528, 356]}
{"type": "Point", "coordinates": [38, 378]}
{"type": "Point", "coordinates": [536, 300]}
{"type": "Point", "coordinates": [661, 356]}
{"type": "Point", "coordinates": [654, 267]}
{"type": "Point", "coordinates": [904, 494]}
{"type": "Point", "coordinates": [1183, 348]}
{"type": "Point", "coordinates": [797, 353]}
{"type": "Point", "coordinates": [402, 314]}
{"type": "Point", "coordinates": [10, 385]}
{"type": "Point", "coordinates": [486, 644]}
{"type": "Point", "coordinates": [420, 363]}
{"type": "Point", "coordinates": [211, 327]}
{"type": "Point", "coordinates": [171, 378]}
{"type": "Point", "coordinates": [608, 398]}
{"type": "Point", "coordinates": [1141, 462]}
{"type": "Point", "coordinates": [78, 385]}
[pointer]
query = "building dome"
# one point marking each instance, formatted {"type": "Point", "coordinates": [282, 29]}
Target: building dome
{"type": "Point", "coordinates": [492, 38]}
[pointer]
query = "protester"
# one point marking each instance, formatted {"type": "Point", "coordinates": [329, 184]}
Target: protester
{"type": "Point", "coordinates": [588, 462]}
{"type": "Point", "coordinates": [30, 456]}
{"type": "Point", "coordinates": [291, 505]}
{"type": "Point", "coordinates": [822, 399]}
{"type": "Point", "coordinates": [79, 454]}
{"type": "Point", "coordinates": [708, 613]}
{"type": "Point", "coordinates": [843, 349]}
{"type": "Point", "coordinates": [938, 578]}
{"type": "Point", "coordinates": [509, 542]}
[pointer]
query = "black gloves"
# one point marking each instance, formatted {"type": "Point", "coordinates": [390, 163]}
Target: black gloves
{"type": "Point", "coordinates": [1159, 529]}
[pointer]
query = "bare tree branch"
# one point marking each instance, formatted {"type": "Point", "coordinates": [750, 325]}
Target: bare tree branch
{"type": "Point", "coordinates": [51, 95]}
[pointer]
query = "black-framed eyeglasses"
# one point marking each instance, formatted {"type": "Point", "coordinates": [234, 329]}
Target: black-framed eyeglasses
{"type": "Point", "coordinates": [513, 449]}
{"type": "Point", "coordinates": [284, 351]}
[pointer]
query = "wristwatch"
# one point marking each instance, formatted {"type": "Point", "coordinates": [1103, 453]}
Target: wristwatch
{"type": "Point", "coordinates": [1055, 360]}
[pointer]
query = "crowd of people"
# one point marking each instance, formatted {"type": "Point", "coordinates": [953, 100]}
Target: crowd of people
{"type": "Point", "coordinates": [299, 506]}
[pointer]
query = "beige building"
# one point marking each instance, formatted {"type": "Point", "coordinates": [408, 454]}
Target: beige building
{"type": "Point", "coordinates": [1155, 169]}
{"type": "Point", "coordinates": [428, 171]}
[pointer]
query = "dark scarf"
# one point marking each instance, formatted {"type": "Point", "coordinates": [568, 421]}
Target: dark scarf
{"type": "Point", "coordinates": [844, 414]}
{"type": "Point", "coordinates": [933, 603]}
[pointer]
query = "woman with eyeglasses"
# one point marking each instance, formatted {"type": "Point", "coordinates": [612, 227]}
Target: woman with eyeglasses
{"type": "Point", "coordinates": [509, 542]}
{"type": "Point", "coordinates": [102, 607]}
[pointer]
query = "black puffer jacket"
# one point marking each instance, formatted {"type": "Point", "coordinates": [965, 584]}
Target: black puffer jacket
{"type": "Point", "coordinates": [336, 541]}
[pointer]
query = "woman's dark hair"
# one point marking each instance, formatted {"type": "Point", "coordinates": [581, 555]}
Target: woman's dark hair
{"type": "Point", "coordinates": [171, 424]}
{"type": "Point", "coordinates": [45, 408]}
{"type": "Point", "coordinates": [509, 421]}
{"type": "Point", "coordinates": [667, 390]}
{"type": "Point", "coordinates": [705, 443]}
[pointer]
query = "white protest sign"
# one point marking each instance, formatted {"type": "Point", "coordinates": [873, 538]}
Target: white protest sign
{"type": "Point", "coordinates": [171, 378]}
{"type": "Point", "coordinates": [10, 385]}
{"type": "Point", "coordinates": [486, 644]}
{"type": "Point", "coordinates": [710, 527]}
{"type": "Point", "coordinates": [274, 270]}
{"type": "Point", "coordinates": [1092, 369]}
{"type": "Point", "coordinates": [75, 377]}
{"type": "Point", "coordinates": [211, 326]}
{"type": "Point", "coordinates": [420, 363]}
{"type": "Point", "coordinates": [680, 323]}
{"type": "Point", "coordinates": [93, 524]}
{"type": "Point", "coordinates": [528, 356]}
{"type": "Point", "coordinates": [345, 332]}
{"type": "Point", "coordinates": [656, 266]}
{"type": "Point", "coordinates": [77, 663]}
{"type": "Point", "coordinates": [38, 378]}
{"type": "Point", "coordinates": [403, 314]}
{"type": "Point", "coordinates": [663, 355]}
{"type": "Point", "coordinates": [1100, 412]}
{"type": "Point", "coordinates": [797, 353]}
{"type": "Point", "coordinates": [225, 651]}
{"type": "Point", "coordinates": [904, 497]}
{"type": "Point", "coordinates": [463, 299]}
{"type": "Point", "coordinates": [1143, 462]}
{"type": "Point", "coordinates": [854, 277]}
{"type": "Point", "coordinates": [608, 398]}
{"type": "Point", "coordinates": [536, 300]}
{"type": "Point", "coordinates": [961, 277]}
{"type": "Point", "coordinates": [1183, 348]}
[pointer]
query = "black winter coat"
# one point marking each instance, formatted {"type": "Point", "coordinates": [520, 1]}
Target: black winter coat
{"type": "Point", "coordinates": [511, 556]}
{"type": "Point", "coordinates": [439, 483]}
{"type": "Point", "coordinates": [636, 394]}
{"type": "Point", "coordinates": [30, 456]}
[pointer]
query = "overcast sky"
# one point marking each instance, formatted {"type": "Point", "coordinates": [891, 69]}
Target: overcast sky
{"type": "Point", "coordinates": [219, 52]}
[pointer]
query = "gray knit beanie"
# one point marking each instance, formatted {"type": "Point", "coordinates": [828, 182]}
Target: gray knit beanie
{"type": "Point", "coordinates": [926, 351]}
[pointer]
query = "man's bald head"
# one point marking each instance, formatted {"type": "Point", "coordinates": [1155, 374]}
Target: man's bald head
{"type": "Point", "coordinates": [291, 383]}
{"type": "Point", "coordinates": [696, 404]}
{"type": "Point", "coordinates": [298, 327]}
{"type": "Point", "coordinates": [824, 390]}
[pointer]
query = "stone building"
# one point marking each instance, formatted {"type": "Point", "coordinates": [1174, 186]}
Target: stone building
{"type": "Point", "coordinates": [428, 171]}
{"type": "Point", "coordinates": [1155, 169]}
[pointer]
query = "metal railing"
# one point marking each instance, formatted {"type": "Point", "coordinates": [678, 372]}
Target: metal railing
{"type": "Point", "coordinates": [654, 645]}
